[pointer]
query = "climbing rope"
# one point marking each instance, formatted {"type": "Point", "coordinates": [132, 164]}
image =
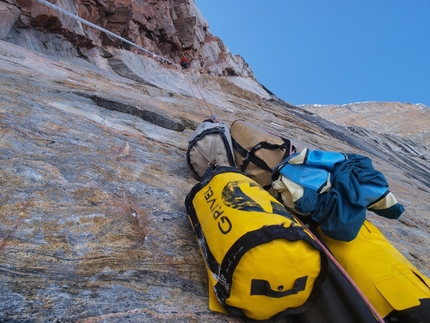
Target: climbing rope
{"type": "Point", "coordinates": [192, 91]}
{"type": "Point", "coordinates": [203, 98]}
{"type": "Point", "coordinates": [212, 116]}
{"type": "Point", "coordinates": [50, 5]}
{"type": "Point", "coordinates": [86, 22]}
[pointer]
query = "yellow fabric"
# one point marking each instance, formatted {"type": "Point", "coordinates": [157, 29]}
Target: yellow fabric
{"type": "Point", "coordinates": [388, 201]}
{"type": "Point", "coordinates": [225, 217]}
{"type": "Point", "coordinates": [280, 262]}
{"type": "Point", "coordinates": [383, 274]}
{"type": "Point", "coordinates": [290, 192]}
{"type": "Point", "coordinates": [396, 293]}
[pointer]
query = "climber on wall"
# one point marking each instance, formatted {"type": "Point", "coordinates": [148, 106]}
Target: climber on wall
{"type": "Point", "coordinates": [185, 63]}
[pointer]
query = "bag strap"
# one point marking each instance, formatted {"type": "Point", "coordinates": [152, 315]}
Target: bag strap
{"type": "Point", "coordinates": [262, 287]}
{"type": "Point", "coordinates": [249, 156]}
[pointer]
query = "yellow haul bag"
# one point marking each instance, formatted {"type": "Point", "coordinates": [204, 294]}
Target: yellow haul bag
{"type": "Point", "coordinates": [388, 280]}
{"type": "Point", "coordinates": [261, 263]}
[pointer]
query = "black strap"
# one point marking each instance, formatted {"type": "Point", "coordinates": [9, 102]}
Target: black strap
{"type": "Point", "coordinates": [239, 149]}
{"type": "Point", "coordinates": [258, 162]}
{"type": "Point", "coordinates": [249, 156]}
{"type": "Point", "coordinates": [262, 287]}
{"type": "Point", "coordinates": [267, 187]}
{"type": "Point", "coordinates": [252, 158]}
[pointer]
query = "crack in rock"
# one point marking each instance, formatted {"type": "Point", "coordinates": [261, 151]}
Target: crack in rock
{"type": "Point", "coordinates": [150, 116]}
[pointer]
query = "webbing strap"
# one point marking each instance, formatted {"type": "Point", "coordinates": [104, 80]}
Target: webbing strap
{"type": "Point", "coordinates": [239, 149]}
{"type": "Point", "coordinates": [250, 157]}
{"type": "Point", "coordinates": [258, 162]}
{"type": "Point", "coordinates": [262, 287]}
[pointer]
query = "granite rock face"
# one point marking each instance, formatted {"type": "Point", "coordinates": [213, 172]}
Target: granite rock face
{"type": "Point", "coordinates": [93, 172]}
{"type": "Point", "coordinates": [172, 29]}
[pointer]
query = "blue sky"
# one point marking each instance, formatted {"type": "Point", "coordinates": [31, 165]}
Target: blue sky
{"type": "Point", "coordinates": [327, 51]}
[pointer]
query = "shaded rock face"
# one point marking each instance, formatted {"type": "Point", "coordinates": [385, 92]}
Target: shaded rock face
{"type": "Point", "coordinates": [93, 173]}
{"type": "Point", "coordinates": [173, 29]}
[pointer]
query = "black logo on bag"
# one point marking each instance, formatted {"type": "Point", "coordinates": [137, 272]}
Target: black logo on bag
{"type": "Point", "coordinates": [234, 197]}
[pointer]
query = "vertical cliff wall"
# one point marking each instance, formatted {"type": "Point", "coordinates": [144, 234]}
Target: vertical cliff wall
{"type": "Point", "coordinates": [93, 172]}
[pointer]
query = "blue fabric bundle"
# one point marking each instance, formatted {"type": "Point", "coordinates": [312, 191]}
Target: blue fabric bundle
{"type": "Point", "coordinates": [337, 190]}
